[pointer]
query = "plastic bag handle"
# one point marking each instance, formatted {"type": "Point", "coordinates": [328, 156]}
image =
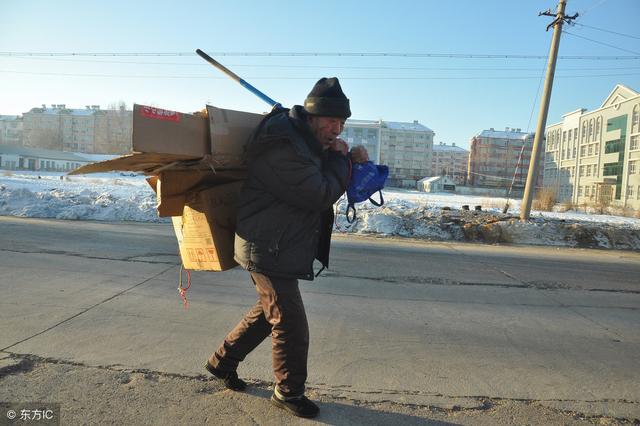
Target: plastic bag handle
{"type": "Point", "coordinates": [376, 203]}
{"type": "Point", "coordinates": [351, 208]}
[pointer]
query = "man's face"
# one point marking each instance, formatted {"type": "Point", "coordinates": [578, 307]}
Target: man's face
{"type": "Point", "coordinates": [326, 129]}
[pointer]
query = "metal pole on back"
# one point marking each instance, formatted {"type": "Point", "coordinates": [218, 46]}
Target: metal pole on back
{"type": "Point", "coordinates": [235, 77]}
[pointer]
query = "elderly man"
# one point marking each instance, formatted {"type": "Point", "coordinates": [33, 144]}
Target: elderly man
{"type": "Point", "coordinates": [298, 168]}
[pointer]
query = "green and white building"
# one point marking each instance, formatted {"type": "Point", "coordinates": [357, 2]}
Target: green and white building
{"type": "Point", "coordinates": [593, 157]}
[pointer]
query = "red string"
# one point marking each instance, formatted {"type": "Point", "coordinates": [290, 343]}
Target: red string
{"type": "Point", "coordinates": [183, 291]}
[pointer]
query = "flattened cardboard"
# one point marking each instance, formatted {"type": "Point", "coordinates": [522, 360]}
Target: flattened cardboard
{"type": "Point", "coordinates": [230, 130]}
{"type": "Point", "coordinates": [169, 132]}
{"type": "Point", "coordinates": [206, 228]}
{"type": "Point", "coordinates": [146, 162]}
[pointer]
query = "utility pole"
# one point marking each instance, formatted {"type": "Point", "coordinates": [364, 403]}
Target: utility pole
{"type": "Point", "coordinates": [532, 175]}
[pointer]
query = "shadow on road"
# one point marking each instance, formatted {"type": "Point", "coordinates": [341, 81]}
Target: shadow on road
{"type": "Point", "coordinates": [333, 413]}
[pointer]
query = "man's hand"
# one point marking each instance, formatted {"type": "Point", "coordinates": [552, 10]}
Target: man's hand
{"type": "Point", "coordinates": [339, 145]}
{"type": "Point", "coordinates": [359, 154]}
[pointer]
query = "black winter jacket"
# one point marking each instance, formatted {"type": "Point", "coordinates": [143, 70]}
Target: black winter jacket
{"type": "Point", "coordinates": [285, 214]}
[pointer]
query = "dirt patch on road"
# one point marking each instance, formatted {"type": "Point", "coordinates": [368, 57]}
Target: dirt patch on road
{"type": "Point", "coordinates": [106, 395]}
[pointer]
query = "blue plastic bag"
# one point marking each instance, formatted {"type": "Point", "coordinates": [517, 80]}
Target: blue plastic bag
{"type": "Point", "coordinates": [366, 179]}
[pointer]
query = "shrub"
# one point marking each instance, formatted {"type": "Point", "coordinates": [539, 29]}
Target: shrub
{"type": "Point", "coordinates": [545, 199]}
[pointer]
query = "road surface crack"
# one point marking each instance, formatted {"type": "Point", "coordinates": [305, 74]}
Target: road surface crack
{"type": "Point", "coordinates": [86, 256]}
{"type": "Point", "coordinates": [120, 293]}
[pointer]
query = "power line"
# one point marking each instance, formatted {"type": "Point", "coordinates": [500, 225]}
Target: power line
{"type": "Point", "coordinates": [593, 6]}
{"type": "Point", "coordinates": [607, 31]}
{"type": "Point", "coordinates": [321, 54]}
{"type": "Point", "coordinates": [535, 100]}
{"type": "Point", "coordinates": [316, 66]}
{"type": "Point", "coordinates": [146, 76]}
{"type": "Point", "coordinates": [599, 42]}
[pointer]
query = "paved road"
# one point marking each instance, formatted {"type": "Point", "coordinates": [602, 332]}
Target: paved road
{"type": "Point", "coordinates": [431, 324]}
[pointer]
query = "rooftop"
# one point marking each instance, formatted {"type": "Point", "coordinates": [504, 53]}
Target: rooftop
{"type": "Point", "coordinates": [395, 125]}
{"type": "Point", "coordinates": [505, 134]}
{"type": "Point", "coordinates": [53, 155]}
{"type": "Point", "coordinates": [400, 125]}
{"type": "Point", "coordinates": [9, 117]}
{"type": "Point", "coordinates": [448, 148]}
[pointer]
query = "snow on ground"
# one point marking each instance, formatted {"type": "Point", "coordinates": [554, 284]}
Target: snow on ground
{"type": "Point", "coordinates": [104, 196]}
{"type": "Point", "coordinates": [128, 197]}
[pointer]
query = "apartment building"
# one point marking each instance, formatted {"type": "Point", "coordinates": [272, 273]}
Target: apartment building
{"type": "Point", "coordinates": [499, 158]}
{"type": "Point", "coordinates": [594, 157]}
{"type": "Point", "coordinates": [89, 130]}
{"type": "Point", "coordinates": [405, 147]}
{"type": "Point", "coordinates": [10, 130]}
{"type": "Point", "coordinates": [451, 161]}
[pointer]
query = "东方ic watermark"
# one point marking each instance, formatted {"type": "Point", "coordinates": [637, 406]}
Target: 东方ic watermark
{"type": "Point", "coordinates": [29, 413]}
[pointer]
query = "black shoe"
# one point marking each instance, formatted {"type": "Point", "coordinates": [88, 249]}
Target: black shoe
{"type": "Point", "coordinates": [230, 378]}
{"type": "Point", "coordinates": [301, 407]}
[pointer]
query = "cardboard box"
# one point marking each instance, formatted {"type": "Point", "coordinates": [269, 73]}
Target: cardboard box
{"type": "Point", "coordinates": [230, 130]}
{"type": "Point", "coordinates": [169, 132]}
{"type": "Point", "coordinates": [197, 168]}
{"type": "Point", "coordinates": [173, 187]}
{"type": "Point", "coordinates": [206, 228]}
{"type": "Point", "coordinates": [164, 139]}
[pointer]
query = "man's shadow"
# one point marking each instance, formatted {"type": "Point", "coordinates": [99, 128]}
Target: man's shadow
{"type": "Point", "coordinates": [333, 413]}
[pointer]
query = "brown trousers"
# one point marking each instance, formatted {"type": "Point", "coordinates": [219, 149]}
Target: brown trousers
{"type": "Point", "coordinates": [280, 313]}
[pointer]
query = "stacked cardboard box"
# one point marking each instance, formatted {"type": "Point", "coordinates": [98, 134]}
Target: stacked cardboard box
{"type": "Point", "coordinates": [195, 163]}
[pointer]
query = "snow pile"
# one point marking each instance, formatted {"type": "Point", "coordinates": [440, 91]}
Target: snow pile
{"type": "Point", "coordinates": [107, 197]}
{"type": "Point", "coordinates": [440, 217]}
{"type": "Point", "coordinates": [406, 213]}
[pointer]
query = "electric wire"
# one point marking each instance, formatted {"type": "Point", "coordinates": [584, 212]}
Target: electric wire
{"type": "Point", "coordinates": [322, 66]}
{"type": "Point", "coordinates": [600, 42]}
{"type": "Point", "coordinates": [606, 31]}
{"type": "Point", "coordinates": [320, 54]}
{"type": "Point", "coordinates": [535, 101]}
{"type": "Point", "coordinates": [309, 78]}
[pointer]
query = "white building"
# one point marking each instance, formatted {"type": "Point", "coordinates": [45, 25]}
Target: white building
{"type": "Point", "coordinates": [437, 184]}
{"type": "Point", "coordinates": [90, 130]}
{"type": "Point", "coordinates": [450, 160]}
{"type": "Point", "coordinates": [405, 147]}
{"type": "Point", "coordinates": [38, 159]}
{"type": "Point", "coordinates": [10, 130]}
{"type": "Point", "coordinates": [594, 157]}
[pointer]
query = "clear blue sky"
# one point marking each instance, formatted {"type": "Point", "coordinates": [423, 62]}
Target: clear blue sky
{"type": "Point", "coordinates": [455, 97]}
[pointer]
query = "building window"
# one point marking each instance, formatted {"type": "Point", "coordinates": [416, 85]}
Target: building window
{"type": "Point", "coordinates": [581, 171]}
{"type": "Point", "coordinates": [588, 170]}
{"type": "Point", "coordinates": [635, 119]}
{"type": "Point", "coordinates": [579, 191]}
{"type": "Point", "coordinates": [629, 191]}
{"type": "Point", "coordinates": [598, 125]}
{"type": "Point", "coordinates": [632, 167]}
{"type": "Point", "coordinates": [590, 149]}
{"type": "Point", "coordinates": [583, 150]}
{"type": "Point", "coordinates": [634, 142]}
